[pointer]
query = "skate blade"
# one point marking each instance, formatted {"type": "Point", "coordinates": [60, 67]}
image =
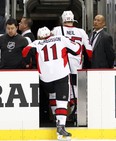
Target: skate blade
{"type": "Point", "coordinates": [63, 138]}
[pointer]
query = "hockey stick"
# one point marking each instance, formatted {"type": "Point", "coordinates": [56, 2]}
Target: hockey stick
{"type": "Point", "coordinates": [71, 82]}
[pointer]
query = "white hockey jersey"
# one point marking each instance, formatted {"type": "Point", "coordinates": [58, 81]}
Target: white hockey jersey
{"type": "Point", "coordinates": [52, 57]}
{"type": "Point", "coordinates": [78, 35]}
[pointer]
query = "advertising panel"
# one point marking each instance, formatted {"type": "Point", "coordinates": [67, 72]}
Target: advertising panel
{"type": "Point", "coordinates": [19, 100]}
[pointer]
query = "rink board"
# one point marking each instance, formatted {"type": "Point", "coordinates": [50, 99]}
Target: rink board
{"type": "Point", "coordinates": [19, 107]}
{"type": "Point", "coordinates": [50, 134]}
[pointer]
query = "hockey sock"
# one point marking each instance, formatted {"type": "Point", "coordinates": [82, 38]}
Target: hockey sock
{"type": "Point", "coordinates": [61, 112]}
{"type": "Point", "coordinates": [52, 102]}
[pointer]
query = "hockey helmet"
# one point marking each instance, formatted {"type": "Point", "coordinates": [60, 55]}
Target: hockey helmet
{"type": "Point", "coordinates": [43, 32]}
{"type": "Point", "coordinates": [67, 16]}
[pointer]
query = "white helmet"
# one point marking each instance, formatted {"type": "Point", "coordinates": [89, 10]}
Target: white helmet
{"type": "Point", "coordinates": [43, 32]}
{"type": "Point", "coordinates": [67, 16]}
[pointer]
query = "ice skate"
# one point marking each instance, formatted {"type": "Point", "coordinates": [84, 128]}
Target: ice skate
{"type": "Point", "coordinates": [62, 134]}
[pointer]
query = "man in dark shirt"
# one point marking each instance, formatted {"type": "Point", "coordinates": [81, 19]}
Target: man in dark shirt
{"type": "Point", "coordinates": [11, 45]}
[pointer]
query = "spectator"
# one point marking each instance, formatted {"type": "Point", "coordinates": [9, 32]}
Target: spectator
{"type": "Point", "coordinates": [11, 45]}
{"type": "Point", "coordinates": [102, 43]}
{"type": "Point", "coordinates": [51, 53]}
{"type": "Point", "coordinates": [78, 35]}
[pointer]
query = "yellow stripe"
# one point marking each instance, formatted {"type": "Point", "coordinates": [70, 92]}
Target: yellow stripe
{"type": "Point", "coordinates": [50, 134]}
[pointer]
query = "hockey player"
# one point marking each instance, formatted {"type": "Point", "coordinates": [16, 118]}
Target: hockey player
{"type": "Point", "coordinates": [52, 62]}
{"type": "Point", "coordinates": [77, 35]}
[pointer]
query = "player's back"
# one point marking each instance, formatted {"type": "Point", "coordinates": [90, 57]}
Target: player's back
{"type": "Point", "coordinates": [77, 35]}
{"type": "Point", "coordinates": [52, 58]}
{"type": "Point", "coordinates": [74, 33]}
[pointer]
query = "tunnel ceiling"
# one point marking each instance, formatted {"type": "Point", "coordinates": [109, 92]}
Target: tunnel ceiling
{"type": "Point", "coordinates": [52, 9]}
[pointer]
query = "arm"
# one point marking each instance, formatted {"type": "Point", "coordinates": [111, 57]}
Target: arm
{"type": "Point", "coordinates": [108, 45]}
{"type": "Point", "coordinates": [73, 47]}
{"type": "Point", "coordinates": [73, 52]}
{"type": "Point", "coordinates": [86, 50]}
{"type": "Point", "coordinates": [86, 45]}
{"type": "Point", "coordinates": [28, 54]}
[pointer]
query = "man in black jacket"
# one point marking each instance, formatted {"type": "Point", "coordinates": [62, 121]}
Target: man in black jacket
{"type": "Point", "coordinates": [102, 43]}
{"type": "Point", "coordinates": [11, 46]}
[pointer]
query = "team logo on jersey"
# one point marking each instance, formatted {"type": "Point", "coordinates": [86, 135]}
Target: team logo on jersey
{"type": "Point", "coordinates": [10, 46]}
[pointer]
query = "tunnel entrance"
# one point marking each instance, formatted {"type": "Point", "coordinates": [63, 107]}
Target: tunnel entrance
{"type": "Point", "coordinates": [47, 13]}
{"type": "Point", "coordinates": [40, 23]}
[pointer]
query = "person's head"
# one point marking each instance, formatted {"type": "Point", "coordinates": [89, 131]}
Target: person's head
{"type": "Point", "coordinates": [11, 27]}
{"type": "Point", "coordinates": [25, 24]}
{"type": "Point", "coordinates": [99, 22]}
{"type": "Point", "coordinates": [67, 17]}
{"type": "Point", "coordinates": [43, 33]}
